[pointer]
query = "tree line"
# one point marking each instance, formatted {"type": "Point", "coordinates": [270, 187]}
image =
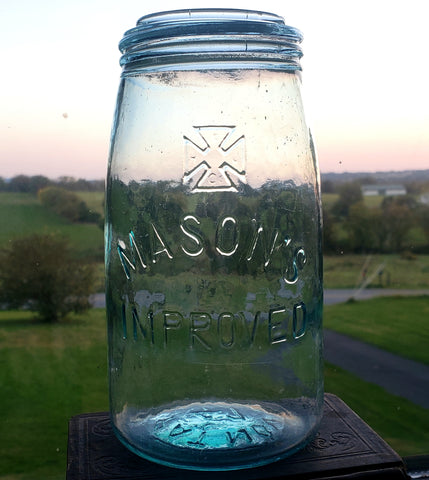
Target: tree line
{"type": "Point", "coordinates": [350, 225]}
{"type": "Point", "coordinates": [32, 184]}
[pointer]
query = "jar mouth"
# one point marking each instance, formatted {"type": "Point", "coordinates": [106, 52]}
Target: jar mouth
{"type": "Point", "coordinates": [210, 38]}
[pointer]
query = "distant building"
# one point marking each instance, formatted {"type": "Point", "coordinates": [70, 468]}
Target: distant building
{"type": "Point", "coordinates": [384, 190]}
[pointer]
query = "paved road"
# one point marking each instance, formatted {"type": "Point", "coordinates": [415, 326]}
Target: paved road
{"type": "Point", "coordinates": [397, 375]}
{"type": "Point", "coordinates": [98, 300]}
{"type": "Point", "coordinates": [342, 295]}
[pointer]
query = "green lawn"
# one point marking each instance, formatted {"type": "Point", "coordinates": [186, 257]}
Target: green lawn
{"type": "Point", "coordinates": [397, 324]}
{"type": "Point", "coordinates": [372, 201]}
{"type": "Point", "coordinates": [94, 200]}
{"type": "Point", "coordinates": [49, 373]}
{"type": "Point", "coordinates": [403, 272]}
{"type": "Point", "coordinates": [399, 422]}
{"type": "Point", "coordinates": [328, 200]}
{"type": "Point", "coordinates": [52, 372]}
{"type": "Point", "coordinates": [21, 214]}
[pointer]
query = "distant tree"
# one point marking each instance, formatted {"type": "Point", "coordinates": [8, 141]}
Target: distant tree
{"type": "Point", "coordinates": [39, 273]}
{"type": "Point", "coordinates": [32, 184]}
{"type": "Point", "coordinates": [67, 204]}
{"type": "Point", "coordinates": [66, 180]}
{"type": "Point", "coordinates": [366, 180]}
{"type": "Point", "coordinates": [329, 236]}
{"type": "Point", "coordinates": [80, 184]}
{"type": "Point", "coordinates": [83, 185]}
{"type": "Point", "coordinates": [415, 187]}
{"type": "Point", "coordinates": [62, 202]}
{"type": "Point", "coordinates": [423, 219]}
{"type": "Point", "coordinates": [97, 185]}
{"type": "Point", "coordinates": [407, 200]}
{"type": "Point", "coordinates": [380, 228]}
{"type": "Point", "coordinates": [399, 217]}
{"type": "Point", "coordinates": [328, 186]}
{"type": "Point", "coordinates": [349, 194]}
{"type": "Point", "coordinates": [20, 183]}
{"type": "Point", "coordinates": [26, 184]}
{"type": "Point", "coordinates": [37, 182]}
{"type": "Point", "coordinates": [360, 227]}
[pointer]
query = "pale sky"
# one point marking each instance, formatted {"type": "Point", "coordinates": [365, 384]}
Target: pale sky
{"type": "Point", "coordinates": [365, 78]}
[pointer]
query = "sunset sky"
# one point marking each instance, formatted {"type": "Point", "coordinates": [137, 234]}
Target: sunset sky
{"type": "Point", "coordinates": [365, 77]}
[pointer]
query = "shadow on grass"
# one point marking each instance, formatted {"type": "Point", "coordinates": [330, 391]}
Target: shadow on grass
{"type": "Point", "coordinates": [21, 322]}
{"type": "Point", "coordinates": [23, 319]}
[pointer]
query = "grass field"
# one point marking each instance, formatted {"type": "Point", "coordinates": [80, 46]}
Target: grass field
{"type": "Point", "coordinates": [21, 214]}
{"type": "Point", "coordinates": [346, 271]}
{"type": "Point", "coordinates": [399, 422]}
{"type": "Point", "coordinates": [349, 271]}
{"type": "Point", "coordinates": [328, 200]}
{"type": "Point", "coordinates": [396, 324]}
{"type": "Point", "coordinates": [52, 372]}
{"type": "Point", "coordinates": [94, 200]}
{"type": "Point", "coordinates": [49, 373]}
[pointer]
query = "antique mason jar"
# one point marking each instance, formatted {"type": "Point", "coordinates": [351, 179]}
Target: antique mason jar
{"type": "Point", "coordinates": [213, 243]}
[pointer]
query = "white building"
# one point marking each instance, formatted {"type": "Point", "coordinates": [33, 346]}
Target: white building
{"type": "Point", "coordinates": [384, 190]}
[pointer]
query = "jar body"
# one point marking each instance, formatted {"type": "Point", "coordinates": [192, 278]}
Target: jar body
{"type": "Point", "coordinates": [214, 280]}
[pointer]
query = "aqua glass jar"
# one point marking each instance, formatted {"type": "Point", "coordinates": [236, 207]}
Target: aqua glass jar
{"type": "Point", "coordinates": [213, 243]}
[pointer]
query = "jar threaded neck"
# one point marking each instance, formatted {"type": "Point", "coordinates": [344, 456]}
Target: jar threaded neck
{"type": "Point", "coordinates": [210, 38]}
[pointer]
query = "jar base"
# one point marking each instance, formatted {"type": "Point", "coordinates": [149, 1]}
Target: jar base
{"type": "Point", "coordinates": [216, 435]}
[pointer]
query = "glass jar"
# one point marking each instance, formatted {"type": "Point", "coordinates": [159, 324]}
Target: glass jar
{"type": "Point", "coordinates": [213, 243]}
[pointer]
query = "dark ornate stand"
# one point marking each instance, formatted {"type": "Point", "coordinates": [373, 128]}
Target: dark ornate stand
{"type": "Point", "coordinates": [344, 448]}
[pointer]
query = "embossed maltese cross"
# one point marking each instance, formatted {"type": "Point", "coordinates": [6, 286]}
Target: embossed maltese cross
{"type": "Point", "coordinates": [215, 159]}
